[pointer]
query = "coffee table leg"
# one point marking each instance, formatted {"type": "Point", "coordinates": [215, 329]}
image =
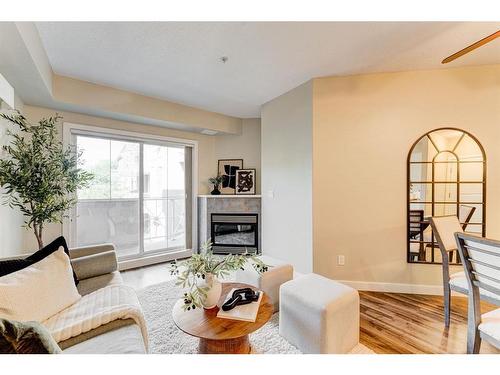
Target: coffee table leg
{"type": "Point", "coordinates": [240, 345]}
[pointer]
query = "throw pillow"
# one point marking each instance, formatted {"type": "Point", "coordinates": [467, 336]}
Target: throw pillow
{"type": "Point", "coordinates": [39, 291]}
{"type": "Point", "coordinates": [13, 265]}
{"type": "Point", "coordinates": [26, 338]}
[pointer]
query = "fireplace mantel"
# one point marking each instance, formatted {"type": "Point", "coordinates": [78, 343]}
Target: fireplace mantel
{"type": "Point", "coordinates": [229, 196]}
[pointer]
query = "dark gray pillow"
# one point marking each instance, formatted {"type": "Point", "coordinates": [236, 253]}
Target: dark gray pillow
{"type": "Point", "coordinates": [10, 266]}
{"type": "Point", "coordinates": [26, 338]}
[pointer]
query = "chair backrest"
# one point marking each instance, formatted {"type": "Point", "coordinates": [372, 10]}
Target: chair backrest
{"type": "Point", "coordinates": [444, 228]}
{"type": "Point", "coordinates": [416, 217]}
{"type": "Point", "coordinates": [465, 214]}
{"type": "Point", "coordinates": [481, 260]}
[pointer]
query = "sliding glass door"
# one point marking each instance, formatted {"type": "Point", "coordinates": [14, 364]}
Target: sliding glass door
{"type": "Point", "coordinates": [164, 198]}
{"type": "Point", "coordinates": [138, 197]}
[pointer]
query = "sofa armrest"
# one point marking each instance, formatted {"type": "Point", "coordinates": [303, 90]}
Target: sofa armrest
{"type": "Point", "coordinates": [92, 261]}
{"type": "Point", "coordinates": [78, 252]}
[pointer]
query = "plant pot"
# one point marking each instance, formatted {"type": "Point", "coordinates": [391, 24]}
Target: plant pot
{"type": "Point", "coordinates": [216, 191]}
{"type": "Point", "coordinates": [214, 291]}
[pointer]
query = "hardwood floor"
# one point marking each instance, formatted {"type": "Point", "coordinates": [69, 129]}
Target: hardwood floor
{"type": "Point", "coordinates": [391, 323]}
{"type": "Point", "coordinates": [412, 323]}
{"type": "Point", "coordinates": [140, 278]}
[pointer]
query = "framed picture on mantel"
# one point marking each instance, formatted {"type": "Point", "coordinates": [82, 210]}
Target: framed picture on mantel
{"type": "Point", "coordinates": [245, 181]}
{"type": "Point", "coordinates": [227, 169]}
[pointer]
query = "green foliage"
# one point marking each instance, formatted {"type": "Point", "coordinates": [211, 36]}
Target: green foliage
{"type": "Point", "coordinates": [216, 181]}
{"type": "Point", "coordinates": [38, 174]}
{"type": "Point", "coordinates": [196, 268]}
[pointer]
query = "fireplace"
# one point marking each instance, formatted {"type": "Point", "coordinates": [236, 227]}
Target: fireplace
{"type": "Point", "coordinates": [235, 233]}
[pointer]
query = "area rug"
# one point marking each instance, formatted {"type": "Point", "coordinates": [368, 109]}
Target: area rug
{"type": "Point", "coordinates": [165, 338]}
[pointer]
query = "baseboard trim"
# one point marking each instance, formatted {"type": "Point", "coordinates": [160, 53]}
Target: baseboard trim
{"type": "Point", "coordinates": [153, 259]}
{"type": "Point", "coordinates": [435, 290]}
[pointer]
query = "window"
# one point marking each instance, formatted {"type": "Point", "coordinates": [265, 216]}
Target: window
{"type": "Point", "coordinates": [146, 183]}
{"type": "Point", "coordinates": [138, 197]}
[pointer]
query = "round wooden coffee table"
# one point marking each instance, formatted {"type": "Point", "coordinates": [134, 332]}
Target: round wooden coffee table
{"type": "Point", "coordinates": [221, 336]}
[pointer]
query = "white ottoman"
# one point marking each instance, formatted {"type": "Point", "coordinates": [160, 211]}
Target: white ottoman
{"type": "Point", "coordinates": [319, 315]}
{"type": "Point", "coordinates": [270, 281]}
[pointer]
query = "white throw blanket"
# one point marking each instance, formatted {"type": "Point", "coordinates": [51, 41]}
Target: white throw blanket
{"type": "Point", "coordinates": [96, 309]}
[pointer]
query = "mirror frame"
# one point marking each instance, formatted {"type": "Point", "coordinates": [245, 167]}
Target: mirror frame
{"type": "Point", "coordinates": [432, 182]}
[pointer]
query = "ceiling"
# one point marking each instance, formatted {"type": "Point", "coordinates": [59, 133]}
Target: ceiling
{"type": "Point", "coordinates": [180, 62]}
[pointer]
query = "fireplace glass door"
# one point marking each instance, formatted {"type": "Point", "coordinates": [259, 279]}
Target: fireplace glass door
{"type": "Point", "coordinates": [234, 233]}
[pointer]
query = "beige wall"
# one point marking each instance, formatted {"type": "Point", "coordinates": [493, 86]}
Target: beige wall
{"type": "Point", "coordinates": [363, 128]}
{"type": "Point", "coordinates": [287, 177]}
{"type": "Point", "coordinates": [94, 97]}
{"type": "Point", "coordinates": [245, 146]}
{"type": "Point", "coordinates": [207, 157]}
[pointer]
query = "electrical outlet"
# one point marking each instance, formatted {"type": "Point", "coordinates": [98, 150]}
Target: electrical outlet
{"type": "Point", "coordinates": [340, 260]}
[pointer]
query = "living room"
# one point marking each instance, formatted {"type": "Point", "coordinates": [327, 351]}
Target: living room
{"type": "Point", "coordinates": [189, 190]}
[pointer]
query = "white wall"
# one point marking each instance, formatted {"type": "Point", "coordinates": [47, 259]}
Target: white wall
{"type": "Point", "coordinates": [11, 220]}
{"type": "Point", "coordinates": [245, 146]}
{"type": "Point", "coordinates": [287, 177]}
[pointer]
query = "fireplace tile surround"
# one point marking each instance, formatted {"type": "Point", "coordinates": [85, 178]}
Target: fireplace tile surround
{"type": "Point", "coordinates": [226, 204]}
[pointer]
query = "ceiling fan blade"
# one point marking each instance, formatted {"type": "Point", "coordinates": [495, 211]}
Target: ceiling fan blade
{"type": "Point", "coordinates": [472, 47]}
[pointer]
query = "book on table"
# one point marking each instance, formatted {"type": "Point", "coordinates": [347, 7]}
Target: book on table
{"type": "Point", "coordinates": [246, 313]}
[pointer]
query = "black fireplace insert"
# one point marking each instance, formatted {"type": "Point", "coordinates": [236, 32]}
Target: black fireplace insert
{"type": "Point", "coordinates": [235, 233]}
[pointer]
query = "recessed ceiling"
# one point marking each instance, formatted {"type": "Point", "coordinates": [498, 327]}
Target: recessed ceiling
{"type": "Point", "coordinates": [181, 62]}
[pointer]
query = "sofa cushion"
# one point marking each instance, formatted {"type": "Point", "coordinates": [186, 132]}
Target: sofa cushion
{"type": "Point", "coordinates": [97, 309]}
{"type": "Point", "coordinates": [123, 340]}
{"type": "Point", "coordinates": [13, 265]}
{"type": "Point", "coordinates": [87, 286]}
{"type": "Point", "coordinates": [39, 291]}
{"type": "Point", "coordinates": [111, 326]}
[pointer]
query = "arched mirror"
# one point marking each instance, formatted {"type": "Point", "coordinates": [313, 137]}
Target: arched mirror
{"type": "Point", "coordinates": [446, 176]}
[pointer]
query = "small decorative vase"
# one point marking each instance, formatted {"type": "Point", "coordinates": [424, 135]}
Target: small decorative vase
{"type": "Point", "coordinates": [216, 191]}
{"type": "Point", "coordinates": [214, 291]}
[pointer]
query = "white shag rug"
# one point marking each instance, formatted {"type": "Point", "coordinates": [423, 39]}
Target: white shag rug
{"type": "Point", "coordinates": [165, 338]}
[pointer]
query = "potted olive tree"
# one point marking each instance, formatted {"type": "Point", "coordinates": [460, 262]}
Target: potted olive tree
{"type": "Point", "coordinates": [39, 175]}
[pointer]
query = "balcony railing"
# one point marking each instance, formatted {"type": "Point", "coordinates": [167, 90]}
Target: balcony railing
{"type": "Point", "coordinates": [117, 221]}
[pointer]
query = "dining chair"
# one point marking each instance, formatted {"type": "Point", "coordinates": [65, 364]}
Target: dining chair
{"type": "Point", "coordinates": [444, 228]}
{"type": "Point", "coordinates": [465, 213]}
{"type": "Point", "coordinates": [481, 261]}
{"type": "Point", "coordinates": [416, 232]}
{"type": "Point", "coordinates": [464, 216]}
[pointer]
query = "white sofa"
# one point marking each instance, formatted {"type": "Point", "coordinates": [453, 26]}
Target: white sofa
{"type": "Point", "coordinates": [96, 267]}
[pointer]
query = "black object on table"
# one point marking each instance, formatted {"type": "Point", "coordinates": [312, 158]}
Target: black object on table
{"type": "Point", "coordinates": [240, 297]}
